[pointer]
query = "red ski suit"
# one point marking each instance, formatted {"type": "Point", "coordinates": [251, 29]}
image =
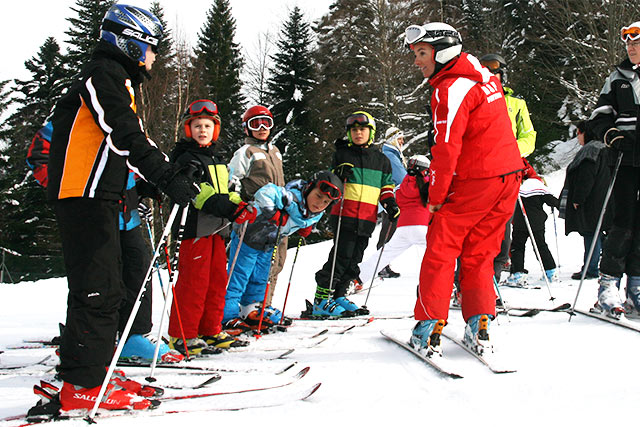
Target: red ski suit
{"type": "Point", "coordinates": [475, 175]}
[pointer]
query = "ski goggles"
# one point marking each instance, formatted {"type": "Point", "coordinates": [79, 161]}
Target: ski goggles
{"type": "Point", "coordinates": [358, 119]}
{"type": "Point", "coordinates": [493, 65]}
{"type": "Point", "coordinates": [630, 33]}
{"type": "Point", "coordinates": [415, 33]}
{"type": "Point", "coordinates": [197, 107]}
{"type": "Point", "coordinates": [258, 122]}
{"type": "Point", "coordinates": [329, 190]}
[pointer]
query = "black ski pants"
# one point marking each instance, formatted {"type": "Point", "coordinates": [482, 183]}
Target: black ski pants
{"type": "Point", "coordinates": [350, 249]}
{"type": "Point", "coordinates": [136, 257]}
{"type": "Point", "coordinates": [621, 248]}
{"type": "Point", "coordinates": [90, 239]}
{"type": "Point", "coordinates": [518, 241]}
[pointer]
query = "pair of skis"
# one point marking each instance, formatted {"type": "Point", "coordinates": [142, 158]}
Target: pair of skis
{"type": "Point", "coordinates": [270, 397]}
{"type": "Point", "coordinates": [435, 361]}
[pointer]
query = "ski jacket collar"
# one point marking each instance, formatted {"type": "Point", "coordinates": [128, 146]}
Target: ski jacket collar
{"type": "Point", "coordinates": [265, 145]}
{"type": "Point", "coordinates": [343, 142]}
{"type": "Point", "coordinates": [627, 69]}
{"type": "Point", "coordinates": [465, 66]}
{"type": "Point", "coordinates": [190, 145]}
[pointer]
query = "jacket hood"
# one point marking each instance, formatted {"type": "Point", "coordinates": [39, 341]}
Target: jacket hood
{"type": "Point", "coordinates": [465, 66]}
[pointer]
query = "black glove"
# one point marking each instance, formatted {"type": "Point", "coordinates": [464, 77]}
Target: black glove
{"type": "Point", "coordinates": [146, 189]}
{"type": "Point", "coordinates": [392, 209]}
{"type": "Point", "coordinates": [617, 139]}
{"type": "Point", "coordinates": [343, 171]}
{"type": "Point", "coordinates": [179, 185]}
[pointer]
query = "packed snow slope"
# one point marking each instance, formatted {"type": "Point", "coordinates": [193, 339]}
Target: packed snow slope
{"type": "Point", "coordinates": [581, 372]}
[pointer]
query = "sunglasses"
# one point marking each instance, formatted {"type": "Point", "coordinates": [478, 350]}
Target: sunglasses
{"type": "Point", "coordinates": [357, 119]}
{"type": "Point", "coordinates": [329, 190]}
{"type": "Point", "coordinates": [415, 33]}
{"type": "Point", "coordinates": [630, 33]}
{"type": "Point", "coordinates": [493, 65]}
{"type": "Point", "coordinates": [197, 107]}
{"type": "Point", "coordinates": [258, 122]}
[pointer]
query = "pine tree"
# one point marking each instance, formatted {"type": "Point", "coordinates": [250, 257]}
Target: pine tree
{"type": "Point", "coordinates": [84, 31]}
{"type": "Point", "coordinates": [290, 83]}
{"type": "Point", "coordinates": [220, 63]}
{"type": "Point", "coordinates": [25, 217]}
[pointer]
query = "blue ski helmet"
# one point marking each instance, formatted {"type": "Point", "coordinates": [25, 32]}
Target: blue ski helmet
{"type": "Point", "coordinates": [131, 29]}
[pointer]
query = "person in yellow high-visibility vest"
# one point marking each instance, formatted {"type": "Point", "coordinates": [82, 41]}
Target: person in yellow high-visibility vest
{"type": "Point", "coordinates": [522, 129]}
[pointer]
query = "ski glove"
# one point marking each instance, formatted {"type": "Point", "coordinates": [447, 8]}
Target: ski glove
{"type": "Point", "coordinates": [279, 218]}
{"type": "Point", "coordinates": [179, 185]}
{"type": "Point", "coordinates": [304, 232]}
{"type": "Point", "coordinates": [244, 213]}
{"type": "Point", "coordinates": [145, 212]}
{"type": "Point", "coordinates": [343, 171]}
{"type": "Point", "coordinates": [617, 139]}
{"type": "Point", "coordinates": [392, 209]}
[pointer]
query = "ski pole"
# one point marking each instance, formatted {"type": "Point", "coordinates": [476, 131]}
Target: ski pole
{"type": "Point", "coordinates": [172, 281]}
{"type": "Point", "coordinates": [132, 316]}
{"type": "Point", "coordinates": [295, 257]}
{"type": "Point", "coordinates": [235, 256]}
{"type": "Point", "coordinates": [555, 230]}
{"type": "Point", "coordinates": [597, 232]}
{"type": "Point", "coordinates": [274, 255]}
{"type": "Point", "coordinates": [148, 218]}
{"type": "Point", "coordinates": [504, 307]}
{"type": "Point", "coordinates": [535, 247]}
{"type": "Point", "coordinates": [375, 271]}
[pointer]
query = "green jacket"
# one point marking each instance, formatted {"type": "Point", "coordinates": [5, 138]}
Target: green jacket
{"type": "Point", "coordinates": [520, 122]}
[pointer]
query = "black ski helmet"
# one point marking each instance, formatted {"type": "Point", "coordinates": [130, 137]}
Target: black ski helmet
{"type": "Point", "coordinates": [329, 184]}
{"type": "Point", "coordinates": [496, 64]}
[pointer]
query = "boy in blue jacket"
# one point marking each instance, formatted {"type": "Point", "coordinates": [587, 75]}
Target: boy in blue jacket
{"type": "Point", "coordinates": [281, 211]}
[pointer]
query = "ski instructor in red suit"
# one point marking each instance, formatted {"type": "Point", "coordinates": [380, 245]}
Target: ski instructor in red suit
{"type": "Point", "coordinates": [473, 186]}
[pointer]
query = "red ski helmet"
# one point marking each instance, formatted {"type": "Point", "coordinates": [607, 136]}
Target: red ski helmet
{"type": "Point", "coordinates": [257, 117]}
{"type": "Point", "coordinates": [202, 108]}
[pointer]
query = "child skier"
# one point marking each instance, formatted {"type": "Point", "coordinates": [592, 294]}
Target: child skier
{"type": "Point", "coordinates": [534, 194]}
{"type": "Point", "coordinates": [281, 211]}
{"type": "Point", "coordinates": [367, 177]}
{"type": "Point", "coordinates": [200, 289]}
{"type": "Point", "coordinates": [257, 163]}
{"type": "Point", "coordinates": [411, 197]}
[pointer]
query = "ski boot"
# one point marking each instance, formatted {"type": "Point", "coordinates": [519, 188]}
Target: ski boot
{"type": "Point", "coordinates": [143, 347]}
{"type": "Point", "coordinates": [632, 304]}
{"type": "Point", "coordinates": [48, 407]}
{"type": "Point", "coordinates": [236, 327]}
{"type": "Point", "coordinates": [609, 301]}
{"type": "Point", "coordinates": [195, 347]}
{"type": "Point", "coordinates": [552, 275]}
{"type": "Point", "coordinates": [425, 336]}
{"type": "Point", "coordinates": [329, 309]}
{"type": "Point", "coordinates": [517, 280]}
{"type": "Point", "coordinates": [388, 273]}
{"type": "Point", "coordinates": [120, 379]}
{"type": "Point", "coordinates": [351, 306]}
{"type": "Point", "coordinates": [223, 340]}
{"type": "Point", "coordinates": [476, 334]}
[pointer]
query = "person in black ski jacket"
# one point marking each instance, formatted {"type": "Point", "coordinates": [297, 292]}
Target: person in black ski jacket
{"type": "Point", "coordinates": [614, 121]}
{"type": "Point", "coordinates": [584, 190]}
{"type": "Point", "coordinates": [97, 138]}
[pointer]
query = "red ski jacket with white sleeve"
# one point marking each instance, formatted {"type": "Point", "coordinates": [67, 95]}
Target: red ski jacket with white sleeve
{"type": "Point", "coordinates": [473, 135]}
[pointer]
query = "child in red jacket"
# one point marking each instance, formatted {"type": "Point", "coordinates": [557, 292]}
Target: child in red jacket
{"type": "Point", "coordinates": [411, 197]}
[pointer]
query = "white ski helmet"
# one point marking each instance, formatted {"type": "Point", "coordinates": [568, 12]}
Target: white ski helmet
{"type": "Point", "coordinates": [446, 41]}
{"type": "Point", "coordinates": [419, 162]}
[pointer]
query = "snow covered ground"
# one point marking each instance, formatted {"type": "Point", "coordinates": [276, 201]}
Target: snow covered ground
{"type": "Point", "coordinates": [581, 371]}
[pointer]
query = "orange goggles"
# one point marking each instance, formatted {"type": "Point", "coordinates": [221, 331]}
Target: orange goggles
{"type": "Point", "coordinates": [493, 65]}
{"type": "Point", "coordinates": [630, 33]}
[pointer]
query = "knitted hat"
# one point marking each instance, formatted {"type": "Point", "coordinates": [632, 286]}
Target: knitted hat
{"type": "Point", "coordinates": [392, 134]}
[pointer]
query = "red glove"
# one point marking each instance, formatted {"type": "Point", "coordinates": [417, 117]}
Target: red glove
{"type": "Point", "coordinates": [279, 218]}
{"type": "Point", "coordinates": [244, 213]}
{"type": "Point", "coordinates": [304, 232]}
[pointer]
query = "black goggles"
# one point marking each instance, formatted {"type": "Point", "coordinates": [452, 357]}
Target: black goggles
{"type": "Point", "coordinates": [197, 107]}
{"type": "Point", "coordinates": [357, 119]}
{"type": "Point", "coordinates": [329, 189]}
